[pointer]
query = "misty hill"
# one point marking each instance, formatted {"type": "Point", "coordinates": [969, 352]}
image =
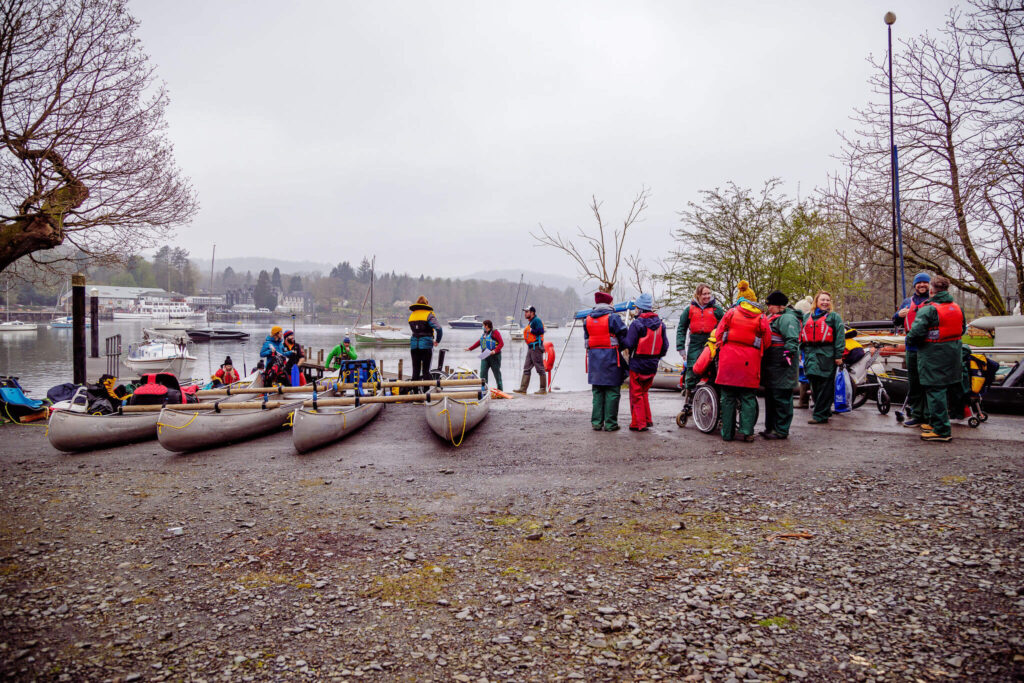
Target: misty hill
{"type": "Point", "coordinates": [241, 264]}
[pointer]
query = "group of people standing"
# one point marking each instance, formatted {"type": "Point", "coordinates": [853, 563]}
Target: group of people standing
{"type": "Point", "coordinates": [748, 346]}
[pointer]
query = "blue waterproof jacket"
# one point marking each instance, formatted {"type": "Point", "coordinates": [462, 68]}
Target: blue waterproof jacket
{"type": "Point", "coordinates": [645, 365]}
{"type": "Point", "coordinates": [271, 346]}
{"type": "Point", "coordinates": [604, 366]}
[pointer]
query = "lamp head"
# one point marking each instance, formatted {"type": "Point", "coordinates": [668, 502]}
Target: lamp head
{"type": "Point", "coordinates": [890, 18]}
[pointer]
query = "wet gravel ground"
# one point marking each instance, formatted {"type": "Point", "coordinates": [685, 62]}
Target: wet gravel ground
{"type": "Point", "coordinates": [540, 550]}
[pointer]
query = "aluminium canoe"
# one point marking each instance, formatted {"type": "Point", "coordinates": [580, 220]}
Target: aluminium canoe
{"type": "Point", "coordinates": [182, 431]}
{"type": "Point", "coordinates": [327, 424]}
{"type": "Point", "coordinates": [451, 419]}
{"type": "Point", "coordinates": [70, 431]}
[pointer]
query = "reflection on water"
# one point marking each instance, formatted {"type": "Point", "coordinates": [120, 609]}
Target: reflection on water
{"type": "Point", "coordinates": [43, 359]}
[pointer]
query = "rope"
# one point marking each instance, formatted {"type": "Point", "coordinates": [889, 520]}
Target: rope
{"type": "Point", "coordinates": [23, 424]}
{"type": "Point", "coordinates": [465, 418]}
{"type": "Point", "coordinates": [160, 425]}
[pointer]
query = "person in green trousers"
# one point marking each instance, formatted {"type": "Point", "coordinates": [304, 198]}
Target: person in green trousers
{"type": "Point", "coordinates": [904, 318]}
{"type": "Point", "coordinates": [490, 342]}
{"type": "Point", "coordinates": [937, 333]}
{"type": "Point", "coordinates": [604, 335]}
{"type": "Point", "coordinates": [779, 366]}
{"type": "Point", "coordinates": [823, 340]}
{"type": "Point", "coordinates": [698, 320]}
{"type": "Point", "coordinates": [742, 336]}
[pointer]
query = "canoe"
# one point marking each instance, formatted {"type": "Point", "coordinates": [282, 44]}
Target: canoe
{"type": "Point", "coordinates": [182, 431]}
{"type": "Point", "coordinates": [318, 427]}
{"type": "Point", "coordinates": [451, 419]}
{"type": "Point", "coordinates": [70, 431]}
{"type": "Point", "coordinates": [667, 377]}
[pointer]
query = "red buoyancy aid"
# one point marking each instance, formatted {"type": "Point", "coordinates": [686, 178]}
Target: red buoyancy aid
{"type": "Point", "coordinates": [777, 339]}
{"type": "Point", "coordinates": [650, 344]}
{"type": "Point", "coordinates": [155, 387]}
{"type": "Point", "coordinates": [817, 331]}
{"type": "Point", "coordinates": [702, 320]}
{"type": "Point", "coordinates": [908, 322]}
{"type": "Point", "coordinates": [599, 333]}
{"type": "Point", "coordinates": [742, 327]}
{"type": "Point", "coordinates": [951, 323]}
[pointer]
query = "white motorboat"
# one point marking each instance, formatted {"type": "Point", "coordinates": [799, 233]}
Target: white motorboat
{"type": "Point", "coordinates": [161, 355]}
{"type": "Point", "coordinates": [466, 322]}
{"type": "Point", "coordinates": [17, 326]}
{"type": "Point", "coordinates": [66, 322]}
{"type": "Point", "coordinates": [173, 325]}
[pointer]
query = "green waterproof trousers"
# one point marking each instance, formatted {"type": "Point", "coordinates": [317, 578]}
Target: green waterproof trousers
{"type": "Point", "coordinates": [745, 400]}
{"type": "Point", "coordinates": [605, 411]}
{"type": "Point", "coordinates": [915, 396]}
{"type": "Point", "coordinates": [937, 400]}
{"type": "Point", "coordinates": [823, 390]}
{"type": "Point", "coordinates": [494, 364]}
{"type": "Point", "coordinates": [778, 409]}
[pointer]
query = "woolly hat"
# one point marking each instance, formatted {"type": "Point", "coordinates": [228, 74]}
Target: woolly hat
{"type": "Point", "coordinates": [275, 329]}
{"type": "Point", "coordinates": [743, 291]}
{"type": "Point", "coordinates": [346, 340]}
{"type": "Point", "coordinates": [227, 361]}
{"type": "Point", "coordinates": [287, 333]}
{"type": "Point", "coordinates": [645, 302]}
{"type": "Point", "coordinates": [602, 298]}
{"type": "Point", "coordinates": [922, 277]}
{"type": "Point", "coordinates": [777, 298]}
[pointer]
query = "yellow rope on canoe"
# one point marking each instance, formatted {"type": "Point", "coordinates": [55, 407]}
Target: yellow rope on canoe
{"type": "Point", "coordinates": [23, 424]}
{"type": "Point", "coordinates": [160, 425]}
{"type": "Point", "coordinates": [465, 417]}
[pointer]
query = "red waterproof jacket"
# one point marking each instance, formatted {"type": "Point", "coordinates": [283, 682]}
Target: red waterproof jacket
{"type": "Point", "coordinates": [746, 336]}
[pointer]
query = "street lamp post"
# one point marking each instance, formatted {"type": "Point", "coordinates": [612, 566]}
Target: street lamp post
{"type": "Point", "coordinates": [890, 19]}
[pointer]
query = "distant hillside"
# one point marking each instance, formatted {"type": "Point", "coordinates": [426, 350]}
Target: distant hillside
{"type": "Point", "coordinates": [547, 279]}
{"type": "Point", "coordinates": [258, 263]}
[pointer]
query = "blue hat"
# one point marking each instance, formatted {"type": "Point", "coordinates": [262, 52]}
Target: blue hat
{"type": "Point", "coordinates": [645, 302]}
{"type": "Point", "coordinates": [346, 340]}
{"type": "Point", "coordinates": [922, 277]}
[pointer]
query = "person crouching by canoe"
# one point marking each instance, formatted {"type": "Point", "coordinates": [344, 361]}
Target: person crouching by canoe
{"type": "Point", "coordinates": [604, 335]}
{"type": "Point", "coordinates": [296, 359]}
{"type": "Point", "coordinates": [780, 365]}
{"type": "Point", "coordinates": [647, 342]}
{"type": "Point", "coordinates": [339, 353]}
{"type": "Point", "coordinates": [823, 340]}
{"type": "Point", "coordinates": [905, 318]}
{"type": "Point", "coordinates": [490, 341]}
{"type": "Point", "coordinates": [226, 374]}
{"type": "Point", "coordinates": [742, 336]}
{"type": "Point", "coordinates": [699, 319]}
{"type": "Point", "coordinates": [426, 334]}
{"type": "Point", "coordinates": [937, 333]}
{"type": "Point", "coordinates": [533, 336]}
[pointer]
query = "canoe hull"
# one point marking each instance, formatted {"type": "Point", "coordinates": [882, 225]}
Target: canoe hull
{"type": "Point", "coordinates": [452, 419]}
{"type": "Point", "coordinates": [316, 429]}
{"type": "Point", "coordinates": [70, 431]}
{"type": "Point", "coordinates": [182, 431]}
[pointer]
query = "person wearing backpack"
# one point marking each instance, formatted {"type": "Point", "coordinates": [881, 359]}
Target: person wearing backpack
{"type": "Point", "coordinates": [647, 343]}
{"type": "Point", "coordinates": [742, 336]}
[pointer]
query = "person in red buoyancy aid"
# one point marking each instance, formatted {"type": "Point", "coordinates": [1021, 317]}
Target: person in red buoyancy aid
{"type": "Point", "coordinates": [696, 324]}
{"type": "Point", "coordinates": [647, 343]}
{"type": "Point", "coordinates": [904, 318]}
{"type": "Point", "coordinates": [226, 374]}
{"type": "Point", "coordinates": [742, 337]}
{"type": "Point", "coordinates": [604, 337]}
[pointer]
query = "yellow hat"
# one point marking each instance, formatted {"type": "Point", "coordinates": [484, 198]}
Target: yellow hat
{"type": "Point", "coordinates": [275, 329]}
{"type": "Point", "coordinates": [744, 291]}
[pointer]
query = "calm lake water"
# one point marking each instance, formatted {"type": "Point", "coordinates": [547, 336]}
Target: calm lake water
{"type": "Point", "coordinates": [43, 359]}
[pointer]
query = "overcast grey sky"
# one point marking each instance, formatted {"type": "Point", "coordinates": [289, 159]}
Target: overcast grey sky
{"type": "Point", "coordinates": [437, 135]}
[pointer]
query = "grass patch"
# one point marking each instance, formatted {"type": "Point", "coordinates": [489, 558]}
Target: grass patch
{"type": "Point", "coordinates": [781, 622]}
{"type": "Point", "coordinates": [505, 520]}
{"type": "Point", "coordinates": [653, 539]}
{"type": "Point", "coordinates": [953, 479]}
{"type": "Point", "coordinates": [980, 340]}
{"type": "Point", "coordinates": [311, 482]}
{"type": "Point", "coordinates": [422, 585]}
{"type": "Point", "coordinates": [529, 557]}
{"type": "Point", "coordinates": [8, 569]}
{"type": "Point", "coordinates": [267, 579]}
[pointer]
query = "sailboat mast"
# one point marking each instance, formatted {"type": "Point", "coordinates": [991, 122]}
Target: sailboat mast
{"type": "Point", "coordinates": [213, 259]}
{"type": "Point", "coordinates": [373, 262]}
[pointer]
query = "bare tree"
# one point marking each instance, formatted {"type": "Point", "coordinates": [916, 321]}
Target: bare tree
{"type": "Point", "coordinates": [599, 255]}
{"type": "Point", "coordinates": [84, 158]}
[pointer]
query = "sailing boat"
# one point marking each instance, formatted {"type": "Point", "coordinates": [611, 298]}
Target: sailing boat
{"type": "Point", "coordinates": [15, 325]}
{"type": "Point", "coordinates": [64, 322]}
{"type": "Point", "coordinates": [376, 334]}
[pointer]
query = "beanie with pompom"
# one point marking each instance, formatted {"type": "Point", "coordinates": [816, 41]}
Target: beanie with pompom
{"type": "Point", "coordinates": [743, 291]}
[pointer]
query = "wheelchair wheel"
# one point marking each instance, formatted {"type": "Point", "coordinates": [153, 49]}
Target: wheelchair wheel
{"type": "Point", "coordinates": [860, 395]}
{"type": "Point", "coordinates": [884, 403]}
{"type": "Point", "coordinates": [973, 422]}
{"type": "Point", "coordinates": [681, 418]}
{"type": "Point", "coordinates": [705, 408]}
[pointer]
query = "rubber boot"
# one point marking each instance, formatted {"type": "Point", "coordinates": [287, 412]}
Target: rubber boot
{"type": "Point", "coordinates": [803, 402]}
{"type": "Point", "coordinates": [523, 385]}
{"type": "Point", "coordinates": [543, 384]}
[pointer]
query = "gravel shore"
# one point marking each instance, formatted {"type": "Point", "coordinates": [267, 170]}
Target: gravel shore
{"type": "Point", "coordinates": [539, 550]}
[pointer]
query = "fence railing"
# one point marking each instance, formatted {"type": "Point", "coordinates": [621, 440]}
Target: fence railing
{"type": "Point", "coordinates": [113, 354]}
